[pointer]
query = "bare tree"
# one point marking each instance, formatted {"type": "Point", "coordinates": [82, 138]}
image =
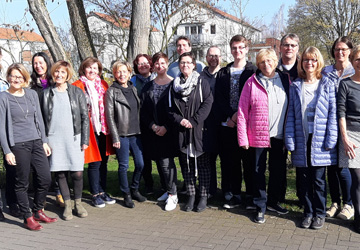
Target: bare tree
{"type": "Point", "coordinates": [139, 28]}
{"type": "Point", "coordinates": [47, 29]}
{"type": "Point", "coordinates": [80, 29]}
{"type": "Point", "coordinates": [320, 23]}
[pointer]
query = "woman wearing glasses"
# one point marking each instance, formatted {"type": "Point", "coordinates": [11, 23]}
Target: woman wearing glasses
{"type": "Point", "coordinates": [190, 102]}
{"type": "Point", "coordinates": [340, 178]}
{"type": "Point", "coordinates": [24, 143]}
{"type": "Point", "coordinates": [311, 134]}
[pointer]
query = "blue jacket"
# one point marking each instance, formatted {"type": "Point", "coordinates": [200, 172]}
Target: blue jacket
{"type": "Point", "coordinates": [323, 145]}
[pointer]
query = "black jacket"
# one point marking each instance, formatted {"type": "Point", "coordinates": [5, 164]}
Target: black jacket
{"type": "Point", "coordinates": [79, 111]}
{"type": "Point", "coordinates": [117, 111]}
{"type": "Point", "coordinates": [199, 106]}
{"type": "Point", "coordinates": [155, 146]}
{"type": "Point", "coordinates": [222, 89]}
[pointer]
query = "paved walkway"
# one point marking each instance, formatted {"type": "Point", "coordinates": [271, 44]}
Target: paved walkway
{"type": "Point", "coordinates": [148, 226]}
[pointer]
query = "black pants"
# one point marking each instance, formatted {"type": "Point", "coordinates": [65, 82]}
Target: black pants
{"type": "Point", "coordinates": [29, 155]}
{"type": "Point", "coordinates": [277, 174]}
{"type": "Point", "coordinates": [168, 169]}
{"type": "Point", "coordinates": [355, 190]}
{"type": "Point", "coordinates": [146, 174]}
{"type": "Point", "coordinates": [231, 156]}
{"type": "Point", "coordinates": [10, 194]}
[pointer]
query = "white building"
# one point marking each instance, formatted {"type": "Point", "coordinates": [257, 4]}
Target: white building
{"type": "Point", "coordinates": [19, 46]}
{"type": "Point", "coordinates": [111, 37]}
{"type": "Point", "coordinates": [206, 25]}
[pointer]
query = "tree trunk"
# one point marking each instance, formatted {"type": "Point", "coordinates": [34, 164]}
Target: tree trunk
{"type": "Point", "coordinates": [80, 29]}
{"type": "Point", "coordinates": [139, 29]}
{"type": "Point", "coordinates": [47, 29]}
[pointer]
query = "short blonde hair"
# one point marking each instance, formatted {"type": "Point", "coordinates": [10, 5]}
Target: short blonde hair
{"type": "Point", "coordinates": [268, 53]}
{"type": "Point", "coordinates": [66, 65]}
{"type": "Point", "coordinates": [23, 71]}
{"type": "Point", "coordinates": [118, 64]}
{"type": "Point", "coordinates": [311, 52]}
{"type": "Point", "coordinates": [354, 52]}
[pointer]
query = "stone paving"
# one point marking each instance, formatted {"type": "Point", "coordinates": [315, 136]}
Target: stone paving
{"type": "Point", "coordinates": [148, 226]}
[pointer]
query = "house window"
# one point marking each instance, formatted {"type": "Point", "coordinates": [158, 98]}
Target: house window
{"type": "Point", "coordinates": [187, 30]}
{"type": "Point", "coordinates": [199, 29]}
{"type": "Point", "coordinates": [193, 30]}
{"type": "Point", "coordinates": [213, 29]}
{"type": "Point", "coordinates": [175, 31]}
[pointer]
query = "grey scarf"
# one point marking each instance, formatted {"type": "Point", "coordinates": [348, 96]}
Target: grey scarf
{"type": "Point", "coordinates": [185, 87]}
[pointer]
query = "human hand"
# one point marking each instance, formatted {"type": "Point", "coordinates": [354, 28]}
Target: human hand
{"type": "Point", "coordinates": [245, 147]}
{"type": "Point", "coordinates": [185, 123]}
{"type": "Point", "coordinates": [161, 131]}
{"type": "Point", "coordinates": [83, 147]}
{"type": "Point", "coordinates": [10, 159]}
{"type": "Point", "coordinates": [47, 149]}
{"type": "Point", "coordinates": [116, 145]}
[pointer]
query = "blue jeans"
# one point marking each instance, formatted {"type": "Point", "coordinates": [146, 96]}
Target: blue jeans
{"type": "Point", "coordinates": [339, 178]}
{"type": "Point", "coordinates": [97, 171]}
{"type": "Point", "coordinates": [312, 190]}
{"type": "Point", "coordinates": [132, 143]}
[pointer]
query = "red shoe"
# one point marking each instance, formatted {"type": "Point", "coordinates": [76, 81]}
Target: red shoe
{"type": "Point", "coordinates": [42, 217]}
{"type": "Point", "coordinates": [31, 224]}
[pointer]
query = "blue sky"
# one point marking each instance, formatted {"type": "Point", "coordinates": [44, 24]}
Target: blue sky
{"type": "Point", "coordinates": [13, 12]}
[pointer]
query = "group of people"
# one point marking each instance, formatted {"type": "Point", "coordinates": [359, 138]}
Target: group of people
{"type": "Point", "coordinates": [248, 115]}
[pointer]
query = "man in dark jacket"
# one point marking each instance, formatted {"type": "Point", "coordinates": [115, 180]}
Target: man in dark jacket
{"type": "Point", "coordinates": [229, 83]}
{"type": "Point", "coordinates": [213, 58]}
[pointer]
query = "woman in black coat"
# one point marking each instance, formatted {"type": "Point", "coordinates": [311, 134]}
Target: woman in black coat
{"type": "Point", "coordinates": [190, 102]}
{"type": "Point", "coordinates": [157, 133]}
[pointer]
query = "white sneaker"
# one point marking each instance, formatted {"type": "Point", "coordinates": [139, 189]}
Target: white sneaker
{"type": "Point", "coordinates": [346, 213]}
{"type": "Point", "coordinates": [171, 202]}
{"type": "Point", "coordinates": [163, 197]}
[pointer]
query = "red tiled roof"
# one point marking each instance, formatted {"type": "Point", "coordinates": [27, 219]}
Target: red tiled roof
{"type": "Point", "coordinates": [22, 35]}
{"type": "Point", "coordinates": [125, 23]}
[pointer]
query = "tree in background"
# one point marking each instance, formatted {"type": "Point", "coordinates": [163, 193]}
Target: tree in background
{"type": "Point", "coordinates": [320, 23]}
{"type": "Point", "coordinates": [139, 29]}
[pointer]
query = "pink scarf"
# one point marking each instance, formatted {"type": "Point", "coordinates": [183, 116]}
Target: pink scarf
{"type": "Point", "coordinates": [96, 111]}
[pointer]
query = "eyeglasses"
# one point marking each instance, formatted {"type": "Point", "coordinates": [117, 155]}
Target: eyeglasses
{"type": "Point", "coordinates": [288, 45]}
{"type": "Point", "coordinates": [186, 63]}
{"type": "Point", "coordinates": [267, 61]}
{"type": "Point", "coordinates": [240, 48]}
{"type": "Point", "coordinates": [310, 60]}
{"type": "Point", "coordinates": [341, 49]}
{"type": "Point", "coordinates": [213, 56]}
{"type": "Point", "coordinates": [19, 78]}
{"type": "Point", "coordinates": [143, 64]}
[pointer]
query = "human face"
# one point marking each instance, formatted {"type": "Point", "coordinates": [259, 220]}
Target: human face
{"type": "Point", "coordinates": [122, 75]}
{"type": "Point", "coordinates": [309, 64]}
{"type": "Point", "coordinates": [213, 57]}
{"type": "Point", "coordinates": [182, 46]}
{"type": "Point", "coordinates": [16, 80]}
{"type": "Point", "coordinates": [161, 66]}
{"type": "Point", "coordinates": [143, 66]}
{"type": "Point", "coordinates": [40, 66]}
{"type": "Point", "coordinates": [341, 52]}
{"type": "Point", "coordinates": [289, 49]}
{"type": "Point", "coordinates": [267, 66]}
{"type": "Point", "coordinates": [60, 75]}
{"type": "Point", "coordinates": [239, 50]}
{"type": "Point", "coordinates": [186, 66]}
{"type": "Point", "coordinates": [92, 71]}
{"type": "Point", "coordinates": [356, 62]}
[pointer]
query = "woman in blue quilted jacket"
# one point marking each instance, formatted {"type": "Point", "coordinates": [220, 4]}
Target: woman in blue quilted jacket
{"type": "Point", "coordinates": [311, 134]}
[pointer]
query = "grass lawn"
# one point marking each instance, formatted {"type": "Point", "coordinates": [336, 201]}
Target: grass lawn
{"type": "Point", "coordinates": [113, 184]}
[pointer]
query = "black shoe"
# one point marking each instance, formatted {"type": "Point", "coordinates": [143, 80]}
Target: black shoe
{"type": "Point", "coordinates": [149, 190]}
{"type": "Point", "coordinates": [14, 210]}
{"type": "Point", "coordinates": [202, 204]}
{"type": "Point", "coordinates": [135, 194]}
{"type": "Point", "coordinates": [306, 222]}
{"type": "Point", "coordinates": [190, 203]}
{"type": "Point", "coordinates": [234, 202]}
{"type": "Point", "coordinates": [318, 222]}
{"type": "Point", "coordinates": [277, 208]}
{"type": "Point", "coordinates": [260, 218]}
{"type": "Point", "coordinates": [128, 201]}
{"type": "Point", "coordinates": [2, 217]}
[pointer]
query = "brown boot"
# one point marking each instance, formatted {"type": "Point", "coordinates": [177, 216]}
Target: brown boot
{"type": "Point", "coordinates": [67, 215]}
{"type": "Point", "coordinates": [79, 209]}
